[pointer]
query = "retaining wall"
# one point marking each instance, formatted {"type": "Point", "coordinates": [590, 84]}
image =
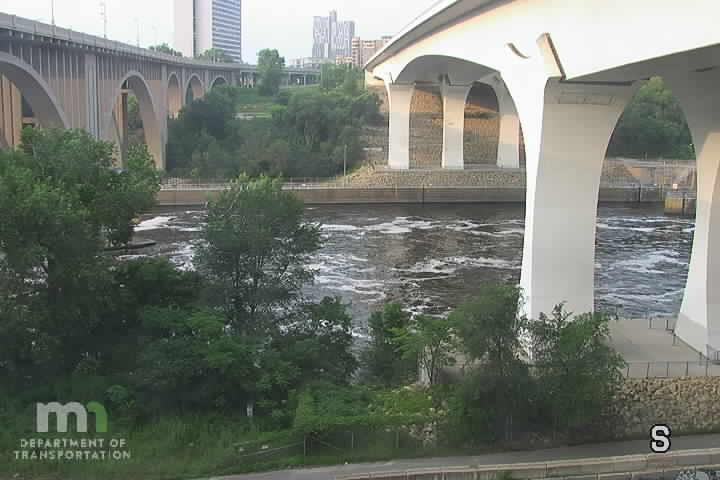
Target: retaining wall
{"type": "Point", "coordinates": [686, 404]}
{"type": "Point", "coordinates": [409, 195]}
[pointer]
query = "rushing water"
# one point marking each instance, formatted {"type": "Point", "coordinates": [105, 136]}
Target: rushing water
{"type": "Point", "coordinates": [431, 258]}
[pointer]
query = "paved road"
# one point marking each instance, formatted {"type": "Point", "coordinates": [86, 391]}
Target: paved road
{"type": "Point", "coordinates": [564, 453]}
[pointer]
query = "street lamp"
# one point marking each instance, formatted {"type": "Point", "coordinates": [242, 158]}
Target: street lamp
{"type": "Point", "coordinates": [103, 14]}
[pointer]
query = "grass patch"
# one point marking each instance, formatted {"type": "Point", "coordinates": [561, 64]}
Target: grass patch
{"type": "Point", "coordinates": [199, 447]}
{"type": "Point", "coordinates": [250, 101]}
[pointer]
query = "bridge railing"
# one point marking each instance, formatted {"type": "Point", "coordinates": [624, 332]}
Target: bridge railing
{"type": "Point", "coordinates": [25, 25]}
{"type": "Point", "coordinates": [671, 369]}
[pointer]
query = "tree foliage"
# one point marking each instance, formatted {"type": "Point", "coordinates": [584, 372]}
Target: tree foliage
{"type": "Point", "coordinates": [255, 250]}
{"type": "Point", "coordinates": [653, 125]}
{"type": "Point", "coordinates": [165, 48]}
{"type": "Point", "coordinates": [491, 329]}
{"type": "Point", "coordinates": [306, 136]}
{"type": "Point", "coordinates": [430, 342]}
{"type": "Point", "coordinates": [383, 362]}
{"type": "Point", "coordinates": [215, 55]}
{"type": "Point", "coordinates": [575, 352]}
{"type": "Point", "coordinates": [270, 69]}
{"type": "Point", "coordinates": [61, 204]}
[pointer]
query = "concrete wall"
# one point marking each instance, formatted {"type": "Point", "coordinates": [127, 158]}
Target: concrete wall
{"type": "Point", "coordinates": [686, 404]}
{"type": "Point", "coordinates": [409, 195]}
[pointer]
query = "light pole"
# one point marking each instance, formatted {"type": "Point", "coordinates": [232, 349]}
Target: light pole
{"type": "Point", "coordinates": [52, 11]}
{"type": "Point", "coordinates": [137, 24]}
{"type": "Point", "coordinates": [345, 164]}
{"type": "Point", "coordinates": [103, 14]}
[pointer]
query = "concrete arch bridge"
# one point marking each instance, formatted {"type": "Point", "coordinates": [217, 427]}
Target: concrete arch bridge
{"type": "Point", "coordinates": [55, 77]}
{"type": "Point", "coordinates": [565, 70]}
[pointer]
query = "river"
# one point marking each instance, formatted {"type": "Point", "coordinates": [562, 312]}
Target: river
{"type": "Point", "coordinates": [431, 258]}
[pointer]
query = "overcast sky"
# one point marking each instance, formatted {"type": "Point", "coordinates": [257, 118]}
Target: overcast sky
{"type": "Point", "coordinates": [282, 24]}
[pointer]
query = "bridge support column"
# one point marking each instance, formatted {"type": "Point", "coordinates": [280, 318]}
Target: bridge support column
{"type": "Point", "coordinates": [11, 118]}
{"type": "Point", "coordinates": [454, 98]}
{"type": "Point", "coordinates": [699, 320]}
{"type": "Point", "coordinates": [399, 99]}
{"type": "Point", "coordinates": [509, 141]}
{"type": "Point", "coordinates": [567, 130]}
{"type": "Point", "coordinates": [91, 93]}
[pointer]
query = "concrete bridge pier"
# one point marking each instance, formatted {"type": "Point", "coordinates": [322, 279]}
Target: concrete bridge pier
{"type": "Point", "coordinates": [509, 138]}
{"type": "Point", "coordinates": [399, 99]}
{"type": "Point", "coordinates": [454, 98]}
{"type": "Point", "coordinates": [699, 319]}
{"type": "Point", "coordinates": [567, 127]}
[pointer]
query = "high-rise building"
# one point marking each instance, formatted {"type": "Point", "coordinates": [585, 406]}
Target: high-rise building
{"type": "Point", "coordinates": [332, 39]}
{"type": "Point", "coordinates": [204, 24]}
{"type": "Point", "coordinates": [363, 50]}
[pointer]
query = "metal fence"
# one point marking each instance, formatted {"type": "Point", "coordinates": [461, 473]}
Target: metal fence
{"type": "Point", "coordinates": [672, 369]}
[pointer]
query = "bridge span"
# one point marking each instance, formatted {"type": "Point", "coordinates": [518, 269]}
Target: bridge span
{"type": "Point", "coordinates": [55, 77]}
{"type": "Point", "coordinates": [563, 72]}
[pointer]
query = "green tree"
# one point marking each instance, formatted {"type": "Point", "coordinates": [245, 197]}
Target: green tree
{"type": "Point", "coordinates": [165, 48]}
{"type": "Point", "coordinates": [577, 369]}
{"type": "Point", "coordinates": [270, 69]}
{"type": "Point", "coordinates": [653, 125]}
{"type": "Point", "coordinates": [383, 362]}
{"type": "Point", "coordinates": [215, 55]}
{"type": "Point", "coordinates": [332, 76]}
{"type": "Point", "coordinates": [199, 124]}
{"type": "Point", "coordinates": [430, 342]}
{"type": "Point", "coordinates": [256, 244]}
{"type": "Point", "coordinates": [490, 329]}
{"type": "Point", "coordinates": [61, 204]}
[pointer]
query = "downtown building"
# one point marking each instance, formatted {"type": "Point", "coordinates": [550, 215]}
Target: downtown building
{"type": "Point", "coordinates": [204, 24]}
{"type": "Point", "coordinates": [362, 51]}
{"type": "Point", "coordinates": [332, 39]}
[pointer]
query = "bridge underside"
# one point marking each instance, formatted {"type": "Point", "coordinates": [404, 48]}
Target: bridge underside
{"type": "Point", "coordinates": [567, 124]}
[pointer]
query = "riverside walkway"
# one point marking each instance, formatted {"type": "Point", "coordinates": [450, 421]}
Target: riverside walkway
{"type": "Point", "coordinates": [590, 452]}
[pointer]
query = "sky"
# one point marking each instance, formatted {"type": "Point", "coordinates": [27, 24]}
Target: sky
{"type": "Point", "coordinates": [282, 24]}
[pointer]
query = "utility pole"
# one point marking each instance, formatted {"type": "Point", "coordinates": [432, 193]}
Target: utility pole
{"type": "Point", "coordinates": [103, 14]}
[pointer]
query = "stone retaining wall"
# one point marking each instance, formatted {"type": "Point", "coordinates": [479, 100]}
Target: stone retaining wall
{"type": "Point", "coordinates": [482, 128]}
{"type": "Point", "coordinates": [426, 127]}
{"type": "Point", "coordinates": [685, 404]}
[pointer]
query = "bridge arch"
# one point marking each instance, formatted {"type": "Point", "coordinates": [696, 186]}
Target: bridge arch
{"type": "Point", "coordinates": [35, 90]}
{"type": "Point", "coordinates": [219, 80]}
{"type": "Point", "coordinates": [194, 88]}
{"type": "Point", "coordinates": [434, 68]}
{"type": "Point", "coordinates": [149, 110]}
{"type": "Point", "coordinates": [174, 96]}
{"type": "Point", "coordinates": [436, 95]}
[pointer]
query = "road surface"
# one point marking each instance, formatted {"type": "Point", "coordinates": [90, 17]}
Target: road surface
{"type": "Point", "coordinates": [564, 453]}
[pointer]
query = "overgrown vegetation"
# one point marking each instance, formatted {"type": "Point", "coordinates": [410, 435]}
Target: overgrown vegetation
{"type": "Point", "coordinates": [230, 360]}
{"type": "Point", "coordinates": [306, 132]}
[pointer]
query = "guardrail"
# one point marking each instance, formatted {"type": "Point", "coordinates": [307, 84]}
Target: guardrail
{"type": "Point", "coordinates": [665, 465]}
